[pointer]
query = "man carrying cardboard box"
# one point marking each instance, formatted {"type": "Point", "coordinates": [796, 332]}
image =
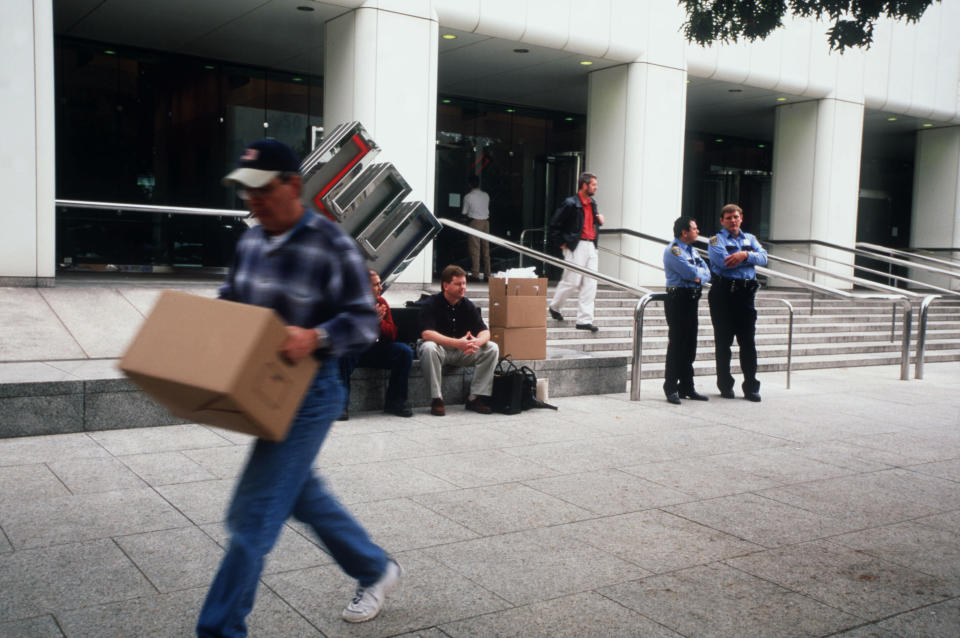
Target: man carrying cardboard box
{"type": "Point", "coordinates": [312, 274]}
{"type": "Point", "coordinates": [453, 333]}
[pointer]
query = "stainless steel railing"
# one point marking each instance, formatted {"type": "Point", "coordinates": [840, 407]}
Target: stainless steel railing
{"type": "Point", "coordinates": [149, 208]}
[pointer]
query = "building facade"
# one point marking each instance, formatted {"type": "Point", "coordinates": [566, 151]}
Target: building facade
{"type": "Point", "coordinates": [148, 102]}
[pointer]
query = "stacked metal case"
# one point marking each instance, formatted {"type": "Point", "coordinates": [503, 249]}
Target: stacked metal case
{"type": "Point", "coordinates": [342, 181]}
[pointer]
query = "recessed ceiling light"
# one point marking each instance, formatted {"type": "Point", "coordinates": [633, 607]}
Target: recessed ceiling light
{"type": "Point", "coordinates": [927, 125]}
{"type": "Point", "coordinates": [209, 67]}
{"type": "Point", "coordinates": [688, 81]}
{"type": "Point", "coordinates": [521, 50]}
{"type": "Point", "coordinates": [586, 63]}
{"type": "Point", "coordinates": [446, 100]}
{"type": "Point", "coordinates": [448, 36]}
{"type": "Point", "coordinates": [568, 119]}
{"type": "Point", "coordinates": [761, 146]}
{"type": "Point", "coordinates": [891, 119]}
{"type": "Point", "coordinates": [511, 110]}
{"type": "Point", "coordinates": [304, 7]}
{"type": "Point", "coordinates": [298, 79]}
{"type": "Point", "coordinates": [719, 139]}
{"type": "Point", "coordinates": [109, 51]}
{"type": "Point", "coordinates": [781, 99]}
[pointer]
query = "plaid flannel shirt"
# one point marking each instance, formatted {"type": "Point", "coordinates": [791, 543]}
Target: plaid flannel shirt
{"type": "Point", "coordinates": [314, 277]}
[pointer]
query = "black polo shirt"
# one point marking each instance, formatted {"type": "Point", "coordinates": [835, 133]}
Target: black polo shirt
{"type": "Point", "coordinates": [450, 321]}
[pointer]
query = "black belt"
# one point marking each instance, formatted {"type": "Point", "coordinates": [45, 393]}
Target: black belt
{"type": "Point", "coordinates": [684, 291]}
{"type": "Point", "coordinates": [733, 285]}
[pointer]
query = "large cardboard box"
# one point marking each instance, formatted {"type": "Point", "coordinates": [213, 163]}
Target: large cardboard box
{"type": "Point", "coordinates": [521, 343]}
{"type": "Point", "coordinates": [218, 362]}
{"type": "Point", "coordinates": [518, 303]}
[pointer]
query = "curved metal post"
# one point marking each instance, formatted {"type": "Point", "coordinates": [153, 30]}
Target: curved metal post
{"type": "Point", "coordinates": [922, 335]}
{"type": "Point", "coordinates": [905, 352]}
{"type": "Point", "coordinates": [893, 321]}
{"type": "Point", "coordinates": [638, 341]}
{"type": "Point", "coordinates": [789, 339]}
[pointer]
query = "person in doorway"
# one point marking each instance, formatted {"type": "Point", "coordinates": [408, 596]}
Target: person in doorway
{"type": "Point", "coordinates": [574, 229]}
{"type": "Point", "coordinates": [733, 255]}
{"type": "Point", "coordinates": [311, 273]}
{"type": "Point", "coordinates": [686, 272]}
{"type": "Point", "coordinates": [385, 354]}
{"type": "Point", "coordinates": [476, 206]}
{"type": "Point", "coordinates": [453, 333]}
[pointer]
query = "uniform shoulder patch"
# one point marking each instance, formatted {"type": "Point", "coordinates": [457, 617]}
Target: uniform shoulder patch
{"type": "Point", "coordinates": [715, 240]}
{"type": "Point", "coordinates": [675, 250]}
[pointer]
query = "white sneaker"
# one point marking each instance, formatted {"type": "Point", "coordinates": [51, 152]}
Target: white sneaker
{"type": "Point", "coordinates": [368, 601]}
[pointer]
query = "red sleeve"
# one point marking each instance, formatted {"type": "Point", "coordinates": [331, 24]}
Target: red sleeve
{"type": "Point", "coordinates": [388, 329]}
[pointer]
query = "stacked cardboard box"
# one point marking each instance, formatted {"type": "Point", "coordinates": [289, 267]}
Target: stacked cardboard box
{"type": "Point", "coordinates": [218, 362]}
{"type": "Point", "coordinates": [518, 317]}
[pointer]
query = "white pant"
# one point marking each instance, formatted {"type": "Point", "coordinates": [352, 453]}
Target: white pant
{"type": "Point", "coordinates": [572, 282]}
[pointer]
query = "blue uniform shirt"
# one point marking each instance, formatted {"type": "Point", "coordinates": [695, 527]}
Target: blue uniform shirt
{"type": "Point", "coordinates": [723, 244]}
{"type": "Point", "coordinates": [683, 265]}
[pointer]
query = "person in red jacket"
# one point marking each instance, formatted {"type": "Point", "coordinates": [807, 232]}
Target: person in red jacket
{"type": "Point", "coordinates": [385, 354]}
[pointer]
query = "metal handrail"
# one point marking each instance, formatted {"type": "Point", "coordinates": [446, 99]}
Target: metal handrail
{"type": "Point", "coordinates": [150, 208]}
{"type": "Point", "coordinates": [953, 265]}
{"type": "Point", "coordinates": [523, 236]}
{"type": "Point", "coordinates": [867, 253]}
{"type": "Point", "coordinates": [921, 284]}
{"type": "Point", "coordinates": [898, 297]}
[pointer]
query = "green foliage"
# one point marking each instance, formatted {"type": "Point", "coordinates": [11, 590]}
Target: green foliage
{"type": "Point", "coordinates": [729, 20]}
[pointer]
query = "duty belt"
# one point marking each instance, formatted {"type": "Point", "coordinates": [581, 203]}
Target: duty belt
{"type": "Point", "coordinates": [683, 291]}
{"type": "Point", "coordinates": [733, 285]}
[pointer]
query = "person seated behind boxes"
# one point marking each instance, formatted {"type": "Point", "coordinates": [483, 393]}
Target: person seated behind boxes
{"type": "Point", "coordinates": [453, 333]}
{"type": "Point", "coordinates": [384, 354]}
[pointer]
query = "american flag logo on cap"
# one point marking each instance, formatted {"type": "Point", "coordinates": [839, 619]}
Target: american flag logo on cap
{"type": "Point", "coordinates": [250, 155]}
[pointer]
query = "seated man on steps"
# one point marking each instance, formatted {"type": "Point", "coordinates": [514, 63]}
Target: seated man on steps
{"type": "Point", "coordinates": [453, 333]}
{"type": "Point", "coordinates": [385, 353]}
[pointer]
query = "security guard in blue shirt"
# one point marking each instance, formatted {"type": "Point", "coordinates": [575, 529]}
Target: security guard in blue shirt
{"type": "Point", "coordinates": [686, 273]}
{"type": "Point", "coordinates": [733, 256]}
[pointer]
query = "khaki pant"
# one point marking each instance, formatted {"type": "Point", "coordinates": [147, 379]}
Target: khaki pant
{"type": "Point", "coordinates": [433, 356]}
{"type": "Point", "coordinates": [475, 245]}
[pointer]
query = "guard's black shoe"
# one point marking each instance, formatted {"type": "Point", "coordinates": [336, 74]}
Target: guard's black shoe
{"type": "Point", "coordinates": [399, 409]}
{"type": "Point", "coordinates": [693, 394]}
{"type": "Point", "coordinates": [344, 416]}
{"type": "Point", "coordinates": [752, 396]}
{"type": "Point", "coordinates": [728, 394]}
{"type": "Point", "coordinates": [555, 315]}
{"type": "Point", "coordinates": [587, 326]}
{"type": "Point", "coordinates": [673, 398]}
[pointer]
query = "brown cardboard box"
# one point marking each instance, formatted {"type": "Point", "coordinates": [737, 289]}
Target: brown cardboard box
{"type": "Point", "coordinates": [518, 303]}
{"type": "Point", "coordinates": [521, 343]}
{"type": "Point", "coordinates": [217, 362]}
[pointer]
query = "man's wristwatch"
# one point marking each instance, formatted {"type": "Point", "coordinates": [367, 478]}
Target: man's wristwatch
{"type": "Point", "coordinates": [323, 341]}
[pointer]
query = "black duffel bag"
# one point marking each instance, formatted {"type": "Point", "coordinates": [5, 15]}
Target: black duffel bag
{"type": "Point", "coordinates": [515, 389]}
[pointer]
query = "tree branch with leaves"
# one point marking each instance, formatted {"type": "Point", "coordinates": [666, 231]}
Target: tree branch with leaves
{"type": "Point", "coordinates": [711, 21]}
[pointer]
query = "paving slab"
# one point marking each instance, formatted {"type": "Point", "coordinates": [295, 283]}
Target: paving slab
{"type": "Point", "coordinates": [498, 509]}
{"type": "Point", "coordinates": [39, 627]}
{"type": "Point", "coordinates": [719, 601]}
{"type": "Point", "coordinates": [576, 616]}
{"type": "Point", "coordinates": [846, 579]}
{"type": "Point", "coordinates": [30, 331]}
{"type": "Point", "coordinates": [609, 491]}
{"type": "Point", "coordinates": [101, 320]}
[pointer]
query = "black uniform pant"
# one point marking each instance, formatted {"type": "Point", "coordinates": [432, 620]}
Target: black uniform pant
{"type": "Point", "coordinates": [733, 314]}
{"type": "Point", "coordinates": [681, 307]}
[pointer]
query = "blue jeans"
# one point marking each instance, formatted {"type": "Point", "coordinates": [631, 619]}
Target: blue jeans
{"type": "Point", "coordinates": [276, 483]}
{"type": "Point", "coordinates": [385, 355]}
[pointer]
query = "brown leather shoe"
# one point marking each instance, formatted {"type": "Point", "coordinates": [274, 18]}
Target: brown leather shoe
{"type": "Point", "coordinates": [479, 405]}
{"type": "Point", "coordinates": [436, 408]}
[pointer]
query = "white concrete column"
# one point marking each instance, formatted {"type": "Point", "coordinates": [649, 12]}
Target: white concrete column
{"type": "Point", "coordinates": [27, 164]}
{"type": "Point", "coordinates": [636, 114]}
{"type": "Point", "coordinates": [380, 68]}
{"type": "Point", "coordinates": [816, 182]}
{"type": "Point", "coordinates": [935, 216]}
